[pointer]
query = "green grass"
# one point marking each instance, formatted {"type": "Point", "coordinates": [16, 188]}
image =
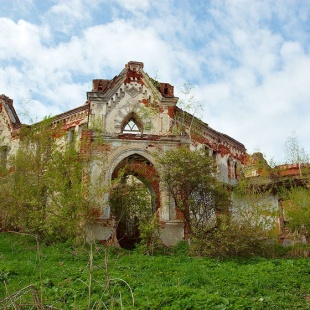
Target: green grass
{"type": "Point", "coordinates": [157, 282]}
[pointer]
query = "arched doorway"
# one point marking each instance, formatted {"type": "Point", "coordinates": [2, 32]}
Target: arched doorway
{"type": "Point", "coordinates": [134, 198]}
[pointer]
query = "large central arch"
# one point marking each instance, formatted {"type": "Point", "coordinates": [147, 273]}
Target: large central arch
{"type": "Point", "coordinates": [128, 216]}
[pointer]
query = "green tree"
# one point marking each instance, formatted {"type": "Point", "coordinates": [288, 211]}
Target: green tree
{"type": "Point", "coordinates": [41, 191]}
{"type": "Point", "coordinates": [216, 224]}
{"type": "Point", "coordinates": [297, 211]}
{"type": "Point", "coordinates": [296, 193]}
{"type": "Point", "coordinates": [190, 178]}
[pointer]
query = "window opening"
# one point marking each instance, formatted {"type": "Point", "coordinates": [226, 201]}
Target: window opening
{"type": "Point", "coordinates": [71, 136]}
{"type": "Point", "coordinates": [214, 154]}
{"type": "Point", "coordinates": [131, 127]}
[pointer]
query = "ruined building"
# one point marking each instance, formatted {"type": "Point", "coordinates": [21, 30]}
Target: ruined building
{"type": "Point", "coordinates": [121, 112]}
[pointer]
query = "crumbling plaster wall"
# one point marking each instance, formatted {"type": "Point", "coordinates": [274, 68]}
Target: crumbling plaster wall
{"type": "Point", "coordinates": [102, 171]}
{"type": "Point", "coordinates": [9, 125]}
{"type": "Point", "coordinates": [262, 210]}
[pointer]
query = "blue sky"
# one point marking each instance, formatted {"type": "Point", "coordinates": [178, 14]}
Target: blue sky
{"type": "Point", "coordinates": [249, 60]}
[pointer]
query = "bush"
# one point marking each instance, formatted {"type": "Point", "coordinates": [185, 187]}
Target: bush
{"type": "Point", "coordinates": [149, 235]}
{"type": "Point", "coordinates": [232, 240]}
{"type": "Point", "coordinates": [181, 248]}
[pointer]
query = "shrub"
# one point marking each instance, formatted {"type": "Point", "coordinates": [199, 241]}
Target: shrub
{"type": "Point", "coordinates": [232, 240]}
{"type": "Point", "coordinates": [181, 248]}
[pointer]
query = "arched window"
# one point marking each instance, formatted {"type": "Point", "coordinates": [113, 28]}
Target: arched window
{"type": "Point", "coordinates": [232, 168]}
{"type": "Point", "coordinates": [131, 127]}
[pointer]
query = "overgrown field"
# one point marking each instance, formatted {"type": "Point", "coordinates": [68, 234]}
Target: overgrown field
{"type": "Point", "coordinates": [69, 277]}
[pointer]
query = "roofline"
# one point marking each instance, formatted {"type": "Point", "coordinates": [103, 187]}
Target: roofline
{"type": "Point", "coordinates": [216, 134]}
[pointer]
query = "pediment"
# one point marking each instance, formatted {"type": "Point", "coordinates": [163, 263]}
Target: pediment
{"type": "Point", "coordinates": [132, 91]}
{"type": "Point", "coordinates": [134, 81]}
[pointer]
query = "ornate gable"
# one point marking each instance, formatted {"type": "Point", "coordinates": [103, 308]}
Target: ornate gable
{"type": "Point", "coordinates": [132, 92]}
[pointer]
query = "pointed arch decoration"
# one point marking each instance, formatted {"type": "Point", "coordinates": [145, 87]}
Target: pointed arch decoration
{"type": "Point", "coordinates": [132, 124]}
{"type": "Point", "coordinates": [131, 127]}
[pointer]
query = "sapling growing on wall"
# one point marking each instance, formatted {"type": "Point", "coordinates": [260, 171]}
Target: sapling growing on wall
{"type": "Point", "coordinates": [295, 153]}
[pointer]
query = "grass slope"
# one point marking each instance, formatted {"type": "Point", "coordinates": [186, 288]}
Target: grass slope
{"type": "Point", "coordinates": [66, 278]}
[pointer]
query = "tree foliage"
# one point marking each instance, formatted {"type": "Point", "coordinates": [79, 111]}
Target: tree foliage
{"type": "Point", "coordinates": [131, 207]}
{"type": "Point", "coordinates": [297, 210]}
{"type": "Point", "coordinates": [258, 197]}
{"type": "Point", "coordinates": [190, 177]}
{"type": "Point", "coordinates": [297, 196]}
{"type": "Point", "coordinates": [217, 225]}
{"type": "Point", "coordinates": [41, 191]}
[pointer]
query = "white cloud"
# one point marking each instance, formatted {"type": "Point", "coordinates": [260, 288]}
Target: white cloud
{"type": "Point", "coordinates": [134, 5]}
{"type": "Point", "coordinates": [69, 16]}
{"type": "Point", "coordinates": [251, 62]}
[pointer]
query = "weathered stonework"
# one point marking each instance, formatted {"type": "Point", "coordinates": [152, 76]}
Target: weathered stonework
{"type": "Point", "coordinates": [112, 106]}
